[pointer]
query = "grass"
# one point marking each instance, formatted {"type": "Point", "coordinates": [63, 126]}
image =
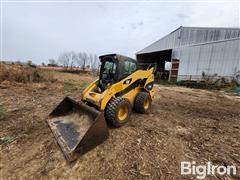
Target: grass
{"type": "Point", "coordinates": [6, 140]}
{"type": "Point", "coordinates": [84, 84]}
{"type": "Point", "coordinates": [234, 91]}
{"type": "Point", "coordinates": [52, 72]}
{"type": "Point", "coordinates": [2, 112]}
{"type": "Point", "coordinates": [165, 82]}
{"type": "Point", "coordinates": [75, 86]}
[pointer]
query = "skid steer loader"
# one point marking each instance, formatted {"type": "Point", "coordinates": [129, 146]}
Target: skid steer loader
{"type": "Point", "coordinates": [79, 126]}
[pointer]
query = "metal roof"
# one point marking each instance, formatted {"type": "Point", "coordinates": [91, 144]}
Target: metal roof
{"type": "Point", "coordinates": [185, 36]}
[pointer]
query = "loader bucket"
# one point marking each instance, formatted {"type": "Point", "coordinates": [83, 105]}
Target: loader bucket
{"type": "Point", "coordinates": [77, 127]}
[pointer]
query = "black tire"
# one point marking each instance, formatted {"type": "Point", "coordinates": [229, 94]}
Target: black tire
{"type": "Point", "coordinates": [140, 99]}
{"type": "Point", "coordinates": [112, 111]}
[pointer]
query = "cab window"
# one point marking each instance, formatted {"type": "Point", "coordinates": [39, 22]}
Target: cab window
{"type": "Point", "coordinates": [129, 67]}
{"type": "Point", "coordinates": [109, 70]}
{"type": "Point", "coordinates": [109, 67]}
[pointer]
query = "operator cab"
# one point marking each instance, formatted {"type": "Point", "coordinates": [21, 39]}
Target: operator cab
{"type": "Point", "coordinates": [114, 68]}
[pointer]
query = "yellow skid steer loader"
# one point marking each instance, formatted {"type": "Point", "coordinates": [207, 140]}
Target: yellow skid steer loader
{"type": "Point", "coordinates": [79, 126]}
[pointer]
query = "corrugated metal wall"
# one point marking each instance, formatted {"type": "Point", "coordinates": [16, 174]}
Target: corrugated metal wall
{"type": "Point", "coordinates": [190, 36]}
{"type": "Point", "coordinates": [221, 58]}
{"type": "Point", "coordinates": [185, 36]}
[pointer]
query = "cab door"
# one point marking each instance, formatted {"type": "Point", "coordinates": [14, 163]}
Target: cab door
{"type": "Point", "coordinates": [127, 68]}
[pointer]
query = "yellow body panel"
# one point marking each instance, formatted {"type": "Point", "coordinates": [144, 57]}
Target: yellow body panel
{"type": "Point", "coordinates": [130, 96]}
{"type": "Point", "coordinates": [101, 99]}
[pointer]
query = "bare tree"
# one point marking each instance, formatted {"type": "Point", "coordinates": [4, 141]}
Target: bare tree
{"type": "Point", "coordinates": [63, 59]}
{"type": "Point", "coordinates": [96, 62]}
{"type": "Point", "coordinates": [68, 59]}
{"type": "Point", "coordinates": [91, 60]}
{"type": "Point", "coordinates": [82, 59]}
{"type": "Point", "coordinates": [52, 62]}
{"type": "Point", "coordinates": [73, 59]}
{"type": "Point", "coordinates": [29, 62]}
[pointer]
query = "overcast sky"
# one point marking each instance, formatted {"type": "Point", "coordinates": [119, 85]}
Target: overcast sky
{"type": "Point", "coordinates": [42, 30]}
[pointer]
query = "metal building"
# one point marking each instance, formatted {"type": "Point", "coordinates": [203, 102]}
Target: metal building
{"type": "Point", "coordinates": [194, 52]}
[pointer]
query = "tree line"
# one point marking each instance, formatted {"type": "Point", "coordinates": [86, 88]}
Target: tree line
{"type": "Point", "coordinates": [72, 59]}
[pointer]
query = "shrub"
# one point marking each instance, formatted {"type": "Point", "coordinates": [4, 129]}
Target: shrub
{"type": "Point", "coordinates": [18, 73]}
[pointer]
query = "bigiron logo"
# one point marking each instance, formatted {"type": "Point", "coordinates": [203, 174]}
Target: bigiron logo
{"type": "Point", "coordinates": [200, 171]}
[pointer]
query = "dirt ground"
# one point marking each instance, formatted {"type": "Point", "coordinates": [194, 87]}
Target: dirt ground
{"type": "Point", "coordinates": [183, 125]}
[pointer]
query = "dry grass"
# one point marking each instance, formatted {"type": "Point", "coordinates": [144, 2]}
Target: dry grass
{"type": "Point", "coordinates": [69, 77]}
{"type": "Point", "coordinates": [2, 112]}
{"type": "Point", "coordinates": [18, 73]}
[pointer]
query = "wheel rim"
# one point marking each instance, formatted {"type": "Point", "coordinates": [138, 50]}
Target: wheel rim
{"type": "Point", "coordinates": [146, 103]}
{"type": "Point", "coordinates": [122, 113]}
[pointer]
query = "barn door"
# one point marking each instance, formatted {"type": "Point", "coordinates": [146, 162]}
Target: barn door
{"type": "Point", "coordinates": [174, 70]}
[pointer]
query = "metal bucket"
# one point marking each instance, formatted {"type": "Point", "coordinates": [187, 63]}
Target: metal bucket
{"type": "Point", "coordinates": [77, 127]}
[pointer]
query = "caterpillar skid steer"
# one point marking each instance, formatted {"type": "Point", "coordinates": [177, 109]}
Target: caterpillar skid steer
{"type": "Point", "coordinates": [79, 126]}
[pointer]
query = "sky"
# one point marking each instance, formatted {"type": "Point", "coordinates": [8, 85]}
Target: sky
{"type": "Point", "coordinates": [39, 31]}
